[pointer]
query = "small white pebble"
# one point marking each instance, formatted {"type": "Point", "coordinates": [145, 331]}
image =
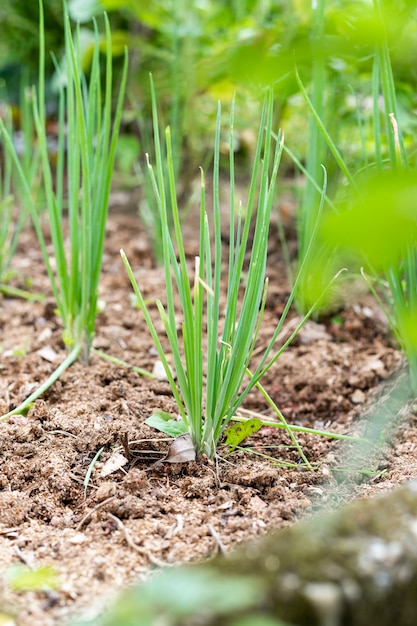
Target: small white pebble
{"type": "Point", "coordinates": [159, 371]}
{"type": "Point", "coordinates": [358, 397]}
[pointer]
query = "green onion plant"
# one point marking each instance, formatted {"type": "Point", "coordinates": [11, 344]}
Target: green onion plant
{"type": "Point", "coordinates": [307, 214]}
{"type": "Point", "coordinates": [376, 219]}
{"type": "Point", "coordinates": [13, 202]}
{"type": "Point", "coordinates": [9, 229]}
{"type": "Point", "coordinates": [148, 207]}
{"type": "Point", "coordinates": [80, 183]}
{"type": "Point", "coordinates": [396, 290]}
{"type": "Point", "coordinates": [212, 355]}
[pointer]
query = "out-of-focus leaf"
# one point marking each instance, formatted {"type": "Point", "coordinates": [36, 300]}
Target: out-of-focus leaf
{"type": "Point", "coordinates": [380, 224]}
{"type": "Point", "coordinates": [21, 578]}
{"type": "Point", "coordinates": [408, 329]}
{"type": "Point", "coordinates": [175, 595]}
{"type": "Point", "coordinates": [83, 10]}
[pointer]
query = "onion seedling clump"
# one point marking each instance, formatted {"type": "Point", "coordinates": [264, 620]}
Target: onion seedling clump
{"type": "Point", "coordinates": [212, 353]}
{"type": "Point", "coordinates": [78, 185]}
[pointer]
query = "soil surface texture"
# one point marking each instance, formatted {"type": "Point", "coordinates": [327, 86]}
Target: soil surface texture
{"type": "Point", "coordinates": [135, 512]}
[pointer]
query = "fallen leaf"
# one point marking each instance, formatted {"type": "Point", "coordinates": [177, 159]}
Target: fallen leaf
{"type": "Point", "coordinates": [114, 463]}
{"type": "Point", "coordinates": [236, 433]}
{"type": "Point", "coordinates": [181, 450]}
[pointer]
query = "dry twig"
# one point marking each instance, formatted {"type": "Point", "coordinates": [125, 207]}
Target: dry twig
{"type": "Point", "coordinates": [153, 559]}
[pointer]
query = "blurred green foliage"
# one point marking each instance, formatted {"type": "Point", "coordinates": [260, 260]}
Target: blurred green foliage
{"type": "Point", "coordinates": [190, 596]}
{"type": "Point", "coordinates": [375, 232]}
{"type": "Point", "coordinates": [202, 51]}
{"type": "Point", "coordinates": [21, 578]}
{"type": "Point", "coordinates": [19, 41]}
{"type": "Point", "coordinates": [377, 224]}
{"type": "Point", "coordinates": [199, 52]}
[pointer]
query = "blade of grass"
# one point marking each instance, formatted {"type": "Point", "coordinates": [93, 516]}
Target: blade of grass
{"type": "Point", "coordinates": [26, 404]}
{"type": "Point", "coordinates": [154, 335]}
{"type": "Point", "coordinates": [327, 137]}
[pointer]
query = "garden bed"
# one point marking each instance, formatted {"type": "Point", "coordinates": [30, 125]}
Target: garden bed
{"type": "Point", "coordinates": [151, 513]}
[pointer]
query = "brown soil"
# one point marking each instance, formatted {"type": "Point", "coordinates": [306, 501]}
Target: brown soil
{"type": "Point", "coordinates": [141, 515]}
